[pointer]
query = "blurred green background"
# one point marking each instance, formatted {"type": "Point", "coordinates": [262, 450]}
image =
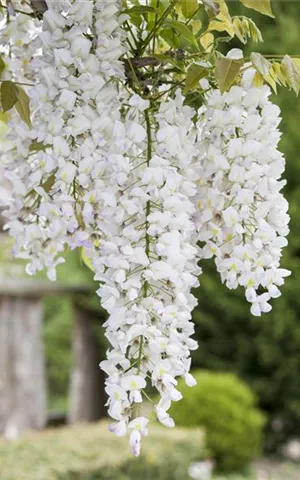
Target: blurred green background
{"type": "Point", "coordinates": [263, 352]}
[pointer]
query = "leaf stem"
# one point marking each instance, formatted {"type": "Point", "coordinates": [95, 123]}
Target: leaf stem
{"type": "Point", "coordinates": [143, 45]}
{"type": "Point", "coordinates": [29, 14]}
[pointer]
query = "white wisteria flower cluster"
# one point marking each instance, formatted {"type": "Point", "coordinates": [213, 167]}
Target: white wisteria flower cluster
{"type": "Point", "coordinates": [147, 262]}
{"type": "Point", "coordinates": [242, 214]}
{"type": "Point", "coordinates": [17, 39]}
{"type": "Point", "coordinates": [76, 115]}
{"type": "Point", "coordinates": [148, 192]}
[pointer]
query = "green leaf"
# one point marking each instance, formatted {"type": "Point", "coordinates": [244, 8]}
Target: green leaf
{"type": "Point", "coordinates": [245, 27]}
{"type": "Point", "coordinates": [271, 80]}
{"type": "Point", "coordinates": [297, 61]}
{"type": "Point", "coordinates": [183, 30]}
{"type": "Point", "coordinates": [38, 146]}
{"type": "Point", "coordinates": [86, 259]}
{"type": "Point", "coordinates": [139, 9]}
{"type": "Point", "coordinates": [194, 74]}
{"type": "Point", "coordinates": [291, 72]}
{"type": "Point", "coordinates": [258, 80]}
{"type": "Point", "coordinates": [189, 7]}
{"type": "Point", "coordinates": [261, 6]}
{"type": "Point", "coordinates": [138, 13]}
{"type": "Point", "coordinates": [158, 10]}
{"type": "Point", "coordinates": [136, 20]}
{"type": "Point", "coordinates": [222, 26]}
{"type": "Point", "coordinates": [227, 69]}
{"type": "Point", "coordinates": [48, 184]}
{"type": "Point", "coordinates": [260, 63]}
{"type": "Point", "coordinates": [9, 95]}
{"type": "Point", "coordinates": [255, 32]}
{"type": "Point", "coordinates": [22, 107]}
{"type": "Point", "coordinates": [170, 37]}
{"type": "Point", "coordinates": [4, 117]}
{"type": "Point", "coordinates": [2, 66]}
{"type": "Point", "coordinates": [278, 74]}
{"type": "Point", "coordinates": [207, 41]}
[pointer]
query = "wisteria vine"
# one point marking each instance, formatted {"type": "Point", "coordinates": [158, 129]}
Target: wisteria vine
{"type": "Point", "coordinates": [146, 183]}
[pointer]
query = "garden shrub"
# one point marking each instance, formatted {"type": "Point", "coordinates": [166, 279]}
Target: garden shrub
{"type": "Point", "coordinates": [225, 407]}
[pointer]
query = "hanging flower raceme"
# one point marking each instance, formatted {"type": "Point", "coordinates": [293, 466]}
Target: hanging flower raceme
{"type": "Point", "coordinates": [57, 166]}
{"type": "Point", "coordinates": [242, 217]}
{"type": "Point", "coordinates": [121, 187]}
{"type": "Point", "coordinates": [147, 264]}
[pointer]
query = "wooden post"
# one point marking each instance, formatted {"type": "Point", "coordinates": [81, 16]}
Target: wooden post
{"type": "Point", "coordinates": [22, 370]}
{"type": "Point", "coordinates": [87, 396]}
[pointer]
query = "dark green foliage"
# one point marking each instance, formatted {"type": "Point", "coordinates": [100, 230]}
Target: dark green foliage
{"type": "Point", "coordinates": [264, 350]}
{"type": "Point", "coordinates": [225, 407]}
{"type": "Point", "coordinates": [57, 335]}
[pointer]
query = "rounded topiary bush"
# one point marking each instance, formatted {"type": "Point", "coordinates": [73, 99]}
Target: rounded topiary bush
{"type": "Point", "coordinates": [225, 408]}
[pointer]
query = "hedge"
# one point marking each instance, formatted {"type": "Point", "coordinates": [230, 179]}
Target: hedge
{"type": "Point", "coordinates": [225, 408]}
{"type": "Point", "coordinates": [90, 452]}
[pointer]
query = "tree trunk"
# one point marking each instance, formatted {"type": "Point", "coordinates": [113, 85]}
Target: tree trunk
{"type": "Point", "coordinates": [87, 395]}
{"type": "Point", "coordinates": [22, 369]}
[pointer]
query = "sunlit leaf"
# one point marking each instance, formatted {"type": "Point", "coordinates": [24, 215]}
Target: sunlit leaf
{"type": "Point", "coordinates": [207, 41]}
{"type": "Point", "coordinates": [258, 80]}
{"type": "Point", "coordinates": [241, 29]}
{"type": "Point", "coordinates": [278, 73]}
{"type": "Point", "coordinates": [196, 26]}
{"type": "Point", "coordinates": [86, 259]}
{"type": "Point", "coordinates": [291, 72]}
{"type": "Point", "coordinates": [193, 76]}
{"type": "Point", "coordinates": [223, 14]}
{"type": "Point", "coordinates": [297, 62]}
{"type": "Point", "coordinates": [227, 70]}
{"type": "Point", "coordinates": [255, 33]}
{"type": "Point", "coordinates": [260, 63]}
{"type": "Point", "coordinates": [261, 6]}
{"type": "Point", "coordinates": [4, 117]}
{"type": "Point", "coordinates": [244, 28]}
{"type": "Point", "coordinates": [222, 26]}
{"type": "Point", "coordinates": [189, 7]}
{"type": "Point", "coordinates": [271, 81]}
